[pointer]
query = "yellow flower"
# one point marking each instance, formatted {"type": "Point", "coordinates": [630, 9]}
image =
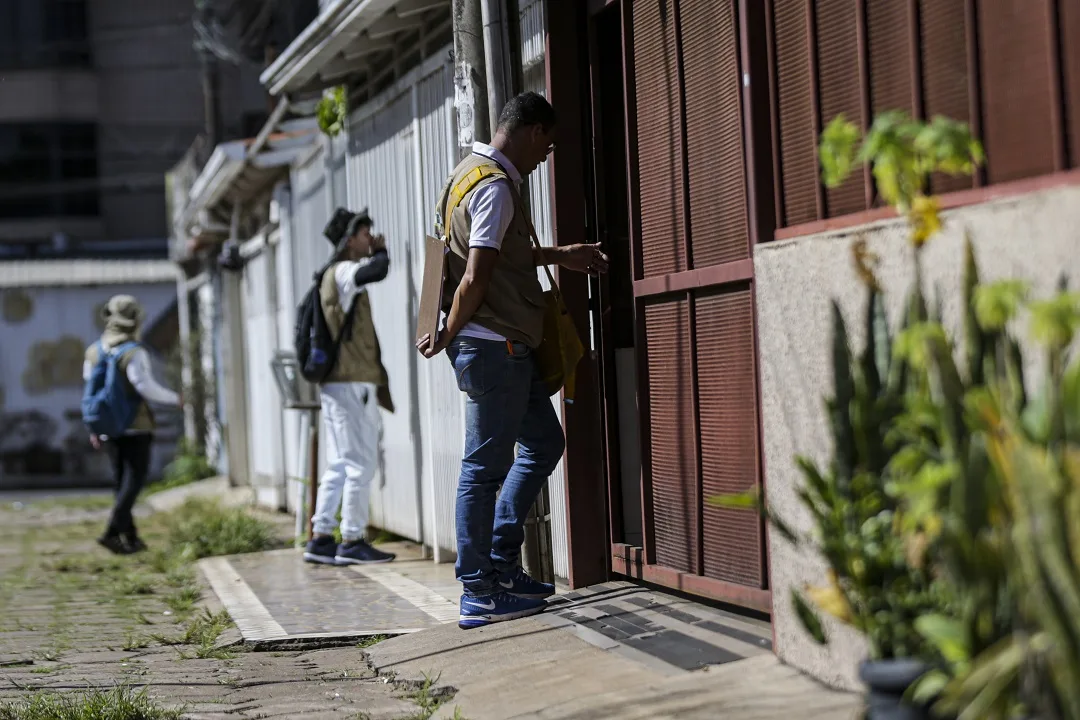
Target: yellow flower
{"type": "Point", "coordinates": [831, 599]}
{"type": "Point", "coordinates": [925, 219]}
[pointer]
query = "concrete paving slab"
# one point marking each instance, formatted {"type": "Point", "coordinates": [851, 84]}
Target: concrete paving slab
{"type": "Point", "coordinates": [276, 596]}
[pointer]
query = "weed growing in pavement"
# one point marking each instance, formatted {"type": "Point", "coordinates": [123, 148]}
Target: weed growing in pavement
{"type": "Point", "coordinates": [370, 641]}
{"type": "Point", "coordinates": [183, 600]}
{"type": "Point", "coordinates": [426, 698]}
{"type": "Point", "coordinates": [133, 641]}
{"type": "Point", "coordinates": [205, 528]}
{"type": "Point", "coordinates": [49, 669]}
{"type": "Point", "coordinates": [119, 703]}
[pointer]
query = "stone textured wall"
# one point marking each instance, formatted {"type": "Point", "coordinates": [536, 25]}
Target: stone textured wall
{"type": "Point", "coordinates": [1035, 237]}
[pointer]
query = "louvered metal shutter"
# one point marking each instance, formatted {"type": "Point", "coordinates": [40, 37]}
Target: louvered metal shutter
{"type": "Point", "coordinates": [946, 76]}
{"type": "Point", "coordinates": [892, 81]}
{"type": "Point", "coordinates": [660, 143]}
{"type": "Point", "coordinates": [671, 428]}
{"type": "Point", "coordinates": [1017, 88]}
{"type": "Point", "coordinates": [794, 114]}
{"type": "Point", "coordinates": [714, 133]}
{"type": "Point", "coordinates": [1070, 62]}
{"type": "Point", "coordinates": [838, 77]}
{"type": "Point", "coordinates": [727, 401]}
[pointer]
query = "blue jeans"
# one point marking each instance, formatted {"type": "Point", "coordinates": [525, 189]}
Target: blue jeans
{"type": "Point", "coordinates": [506, 404]}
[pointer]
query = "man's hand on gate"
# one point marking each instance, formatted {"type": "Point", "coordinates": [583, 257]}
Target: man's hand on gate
{"type": "Point", "coordinates": [584, 258]}
{"type": "Point", "coordinates": [429, 352]}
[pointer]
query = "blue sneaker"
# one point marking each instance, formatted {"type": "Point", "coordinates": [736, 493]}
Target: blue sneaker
{"type": "Point", "coordinates": [500, 607]}
{"type": "Point", "coordinates": [359, 552]}
{"type": "Point", "coordinates": [517, 582]}
{"type": "Point", "coordinates": [321, 550]}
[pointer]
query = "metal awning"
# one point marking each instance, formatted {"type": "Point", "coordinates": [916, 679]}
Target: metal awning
{"type": "Point", "coordinates": [241, 170]}
{"type": "Point", "coordinates": [75, 273]}
{"type": "Point", "coordinates": [351, 37]}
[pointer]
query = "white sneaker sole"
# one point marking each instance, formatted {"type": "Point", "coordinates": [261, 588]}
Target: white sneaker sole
{"type": "Point", "coordinates": [481, 620]}
{"type": "Point", "coordinates": [320, 559]}
{"type": "Point", "coordinates": [353, 561]}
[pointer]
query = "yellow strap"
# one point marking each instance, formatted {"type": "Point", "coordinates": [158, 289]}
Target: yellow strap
{"type": "Point", "coordinates": [463, 188]}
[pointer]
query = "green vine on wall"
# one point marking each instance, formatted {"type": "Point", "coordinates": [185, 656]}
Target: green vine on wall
{"type": "Point", "coordinates": [332, 112]}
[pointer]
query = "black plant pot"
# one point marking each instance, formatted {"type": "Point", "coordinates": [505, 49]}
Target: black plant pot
{"type": "Point", "coordinates": [886, 682]}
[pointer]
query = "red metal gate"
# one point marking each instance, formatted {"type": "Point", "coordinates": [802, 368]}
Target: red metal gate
{"type": "Point", "coordinates": [693, 291]}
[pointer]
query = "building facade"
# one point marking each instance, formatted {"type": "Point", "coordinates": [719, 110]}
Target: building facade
{"type": "Point", "coordinates": [687, 146]}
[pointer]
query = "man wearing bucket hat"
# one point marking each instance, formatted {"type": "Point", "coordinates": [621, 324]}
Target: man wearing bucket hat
{"type": "Point", "coordinates": [130, 449]}
{"type": "Point", "coordinates": [351, 396]}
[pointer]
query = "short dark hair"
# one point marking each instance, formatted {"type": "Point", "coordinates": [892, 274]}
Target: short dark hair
{"type": "Point", "coordinates": [527, 109]}
{"type": "Point", "coordinates": [358, 221]}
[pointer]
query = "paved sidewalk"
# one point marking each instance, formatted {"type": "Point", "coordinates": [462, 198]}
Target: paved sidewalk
{"type": "Point", "coordinates": [613, 651]}
{"type": "Point", "coordinates": [74, 618]}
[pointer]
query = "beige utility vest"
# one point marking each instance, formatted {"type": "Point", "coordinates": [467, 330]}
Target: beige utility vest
{"type": "Point", "coordinates": [514, 303]}
{"type": "Point", "coordinates": [360, 357]}
{"type": "Point", "coordinates": [144, 417]}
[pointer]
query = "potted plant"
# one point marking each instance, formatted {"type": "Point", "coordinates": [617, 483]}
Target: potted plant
{"type": "Point", "coordinates": [1006, 544]}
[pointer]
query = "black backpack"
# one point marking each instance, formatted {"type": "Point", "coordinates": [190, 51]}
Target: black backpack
{"type": "Point", "coordinates": [316, 350]}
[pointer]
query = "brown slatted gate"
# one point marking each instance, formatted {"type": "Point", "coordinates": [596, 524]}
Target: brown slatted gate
{"type": "Point", "coordinates": [693, 290]}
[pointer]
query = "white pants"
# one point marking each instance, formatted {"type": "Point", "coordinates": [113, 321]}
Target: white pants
{"type": "Point", "coordinates": [351, 425]}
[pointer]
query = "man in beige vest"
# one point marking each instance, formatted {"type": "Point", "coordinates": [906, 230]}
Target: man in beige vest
{"type": "Point", "coordinates": [350, 398]}
{"type": "Point", "coordinates": [131, 450]}
{"type": "Point", "coordinates": [494, 307]}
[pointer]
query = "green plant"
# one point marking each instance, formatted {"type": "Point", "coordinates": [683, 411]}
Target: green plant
{"type": "Point", "coordinates": [332, 112]}
{"type": "Point", "coordinates": [204, 528]}
{"type": "Point", "coordinates": [119, 703]}
{"type": "Point", "coordinates": [1008, 547]}
{"type": "Point", "coordinates": [189, 465]}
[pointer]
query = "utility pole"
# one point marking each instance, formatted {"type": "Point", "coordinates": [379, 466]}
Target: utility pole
{"type": "Point", "coordinates": [470, 88]}
{"type": "Point", "coordinates": [496, 57]}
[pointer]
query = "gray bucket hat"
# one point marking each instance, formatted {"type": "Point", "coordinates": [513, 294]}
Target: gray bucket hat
{"type": "Point", "coordinates": [122, 311]}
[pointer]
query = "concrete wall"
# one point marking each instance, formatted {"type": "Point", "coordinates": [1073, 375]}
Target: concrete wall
{"type": "Point", "coordinates": [1034, 237]}
{"type": "Point", "coordinates": [44, 333]}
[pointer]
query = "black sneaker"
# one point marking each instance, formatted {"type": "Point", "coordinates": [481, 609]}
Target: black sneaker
{"type": "Point", "coordinates": [321, 550]}
{"type": "Point", "coordinates": [135, 544]}
{"type": "Point", "coordinates": [114, 544]}
{"type": "Point", "coordinates": [359, 552]}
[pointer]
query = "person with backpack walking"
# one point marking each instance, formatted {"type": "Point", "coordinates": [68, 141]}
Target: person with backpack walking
{"type": "Point", "coordinates": [494, 323]}
{"type": "Point", "coordinates": [353, 388]}
{"type": "Point", "coordinates": [119, 386]}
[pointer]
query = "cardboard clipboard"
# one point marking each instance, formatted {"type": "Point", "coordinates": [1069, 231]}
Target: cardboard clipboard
{"type": "Point", "coordinates": [431, 289]}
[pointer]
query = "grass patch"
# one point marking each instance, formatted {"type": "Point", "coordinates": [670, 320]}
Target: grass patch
{"type": "Point", "coordinates": [49, 669]}
{"type": "Point", "coordinates": [135, 583]}
{"type": "Point", "coordinates": [203, 528]}
{"type": "Point", "coordinates": [371, 641]}
{"type": "Point", "coordinates": [202, 633]}
{"type": "Point", "coordinates": [189, 465]}
{"type": "Point", "coordinates": [184, 599]}
{"type": "Point", "coordinates": [426, 698]}
{"type": "Point", "coordinates": [119, 703]}
{"type": "Point", "coordinates": [133, 641]}
{"type": "Point", "coordinates": [76, 502]}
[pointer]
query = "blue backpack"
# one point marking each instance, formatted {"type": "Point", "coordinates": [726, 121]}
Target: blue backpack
{"type": "Point", "coordinates": [107, 407]}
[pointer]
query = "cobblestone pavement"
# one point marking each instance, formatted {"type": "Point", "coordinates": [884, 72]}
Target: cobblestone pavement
{"type": "Point", "coordinates": [73, 618]}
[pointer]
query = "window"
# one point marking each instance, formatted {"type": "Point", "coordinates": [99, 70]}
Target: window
{"type": "Point", "coordinates": [48, 170]}
{"type": "Point", "coordinates": [44, 34]}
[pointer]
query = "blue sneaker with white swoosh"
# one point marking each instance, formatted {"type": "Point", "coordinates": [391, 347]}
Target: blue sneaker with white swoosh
{"type": "Point", "coordinates": [517, 582]}
{"type": "Point", "coordinates": [500, 607]}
